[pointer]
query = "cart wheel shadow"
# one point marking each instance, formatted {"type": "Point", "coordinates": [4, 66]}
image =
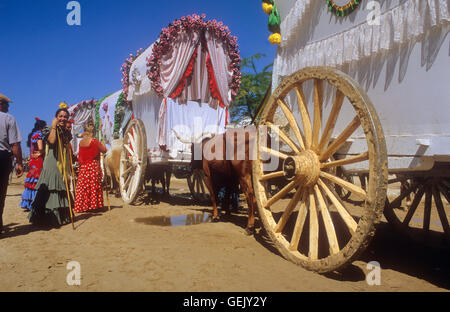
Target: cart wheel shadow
{"type": "Point", "coordinates": [400, 253]}
{"type": "Point", "coordinates": [388, 247]}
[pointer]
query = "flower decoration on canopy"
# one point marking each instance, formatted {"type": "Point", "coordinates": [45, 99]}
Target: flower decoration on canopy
{"type": "Point", "coordinates": [105, 106]}
{"type": "Point", "coordinates": [125, 69]}
{"type": "Point", "coordinates": [189, 23]}
{"type": "Point", "coordinates": [274, 21]}
{"type": "Point", "coordinates": [82, 105]}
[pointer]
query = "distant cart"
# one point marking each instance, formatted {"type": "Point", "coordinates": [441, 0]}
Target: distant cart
{"type": "Point", "coordinates": [179, 90]}
{"type": "Point", "coordinates": [344, 139]}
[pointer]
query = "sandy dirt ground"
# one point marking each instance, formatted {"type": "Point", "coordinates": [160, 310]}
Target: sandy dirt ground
{"type": "Point", "coordinates": [121, 250]}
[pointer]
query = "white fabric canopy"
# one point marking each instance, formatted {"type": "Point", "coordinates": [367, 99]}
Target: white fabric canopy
{"type": "Point", "coordinates": [407, 23]}
{"type": "Point", "coordinates": [139, 83]}
{"type": "Point", "coordinates": [83, 113]}
{"type": "Point", "coordinates": [107, 116]}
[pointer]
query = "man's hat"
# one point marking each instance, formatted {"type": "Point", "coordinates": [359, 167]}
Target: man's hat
{"type": "Point", "coordinates": [3, 98]}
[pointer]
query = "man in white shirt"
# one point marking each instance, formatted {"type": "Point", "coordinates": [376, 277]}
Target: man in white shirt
{"type": "Point", "coordinates": [10, 139]}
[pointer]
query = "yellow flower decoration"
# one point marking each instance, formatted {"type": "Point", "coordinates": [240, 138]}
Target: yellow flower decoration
{"type": "Point", "coordinates": [62, 105]}
{"type": "Point", "coordinates": [267, 7]}
{"type": "Point", "coordinates": [275, 38]}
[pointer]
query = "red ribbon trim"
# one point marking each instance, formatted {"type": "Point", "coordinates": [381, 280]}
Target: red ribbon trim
{"type": "Point", "coordinates": [187, 74]}
{"type": "Point", "coordinates": [212, 82]}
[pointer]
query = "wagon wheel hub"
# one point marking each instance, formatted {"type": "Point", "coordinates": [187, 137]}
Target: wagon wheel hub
{"type": "Point", "coordinates": [304, 167]}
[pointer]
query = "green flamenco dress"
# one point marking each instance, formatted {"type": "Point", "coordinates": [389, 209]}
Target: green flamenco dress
{"type": "Point", "coordinates": [50, 206]}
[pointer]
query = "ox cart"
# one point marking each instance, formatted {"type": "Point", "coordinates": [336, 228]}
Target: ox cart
{"type": "Point", "coordinates": [360, 103]}
{"type": "Point", "coordinates": [179, 90]}
{"type": "Point", "coordinates": [110, 116]}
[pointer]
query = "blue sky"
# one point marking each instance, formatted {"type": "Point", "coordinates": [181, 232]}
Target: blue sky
{"type": "Point", "coordinates": [44, 61]}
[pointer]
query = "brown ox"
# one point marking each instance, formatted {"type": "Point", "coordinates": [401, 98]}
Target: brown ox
{"type": "Point", "coordinates": [226, 161]}
{"type": "Point", "coordinates": [112, 164]}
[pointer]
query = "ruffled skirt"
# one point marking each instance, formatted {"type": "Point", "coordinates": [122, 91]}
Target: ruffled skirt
{"type": "Point", "coordinates": [89, 195]}
{"type": "Point", "coordinates": [30, 183]}
{"type": "Point", "coordinates": [50, 206]}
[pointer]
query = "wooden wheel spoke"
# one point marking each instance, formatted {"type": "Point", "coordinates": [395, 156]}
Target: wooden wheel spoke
{"type": "Point", "coordinates": [444, 192]}
{"type": "Point", "coordinates": [299, 223]}
{"type": "Point", "coordinates": [427, 210]}
{"type": "Point", "coordinates": [126, 171]}
{"type": "Point", "coordinates": [272, 175]}
{"type": "Point", "coordinates": [132, 142]}
{"type": "Point", "coordinates": [128, 191]}
{"type": "Point", "coordinates": [288, 211]}
{"type": "Point", "coordinates": [291, 119]}
{"type": "Point", "coordinates": [340, 140]}
{"type": "Point", "coordinates": [273, 152]}
{"type": "Point", "coordinates": [202, 184]}
{"type": "Point", "coordinates": [127, 181]}
{"type": "Point", "coordinates": [284, 137]}
{"type": "Point", "coordinates": [307, 127]}
{"type": "Point", "coordinates": [414, 205]}
{"type": "Point", "coordinates": [318, 100]}
{"type": "Point", "coordinates": [345, 184]}
{"type": "Point", "coordinates": [129, 150]}
{"type": "Point", "coordinates": [331, 122]}
{"type": "Point", "coordinates": [197, 184]}
{"type": "Point", "coordinates": [397, 179]}
{"type": "Point", "coordinates": [281, 193]}
{"type": "Point", "coordinates": [345, 215]}
{"type": "Point", "coordinates": [397, 202]}
{"type": "Point", "coordinates": [346, 161]}
{"type": "Point", "coordinates": [441, 210]}
{"type": "Point", "coordinates": [313, 228]}
{"type": "Point", "coordinates": [328, 222]}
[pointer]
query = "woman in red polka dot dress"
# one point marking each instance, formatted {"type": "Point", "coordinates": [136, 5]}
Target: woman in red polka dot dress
{"type": "Point", "coordinates": [89, 194]}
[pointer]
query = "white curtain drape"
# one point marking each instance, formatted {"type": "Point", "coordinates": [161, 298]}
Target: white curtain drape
{"type": "Point", "coordinates": [173, 65]}
{"type": "Point", "coordinates": [80, 118]}
{"type": "Point", "coordinates": [221, 65]}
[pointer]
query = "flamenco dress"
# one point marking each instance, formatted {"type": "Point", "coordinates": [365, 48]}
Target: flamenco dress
{"type": "Point", "coordinates": [89, 195]}
{"type": "Point", "coordinates": [35, 165]}
{"type": "Point", "coordinates": [50, 205]}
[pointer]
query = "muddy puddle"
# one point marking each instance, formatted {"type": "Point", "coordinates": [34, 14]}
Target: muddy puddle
{"type": "Point", "coordinates": [180, 220]}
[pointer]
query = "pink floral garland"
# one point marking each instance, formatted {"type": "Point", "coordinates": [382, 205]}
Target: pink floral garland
{"type": "Point", "coordinates": [188, 23]}
{"type": "Point", "coordinates": [125, 69]}
{"type": "Point", "coordinates": [81, 105]}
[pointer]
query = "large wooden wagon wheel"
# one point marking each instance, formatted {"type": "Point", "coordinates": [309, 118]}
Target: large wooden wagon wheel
{"type": "Point", "coordinates": [419, 211]}
{"type": "Point", "coordinates": [133, 161]}
{"type": "Point", "coordinates": [197, 186]}
{"type": "Point", "coordinates": [324, 233]}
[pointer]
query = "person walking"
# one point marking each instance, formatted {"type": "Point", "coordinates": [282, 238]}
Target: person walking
{"type": "Point", "coordinates": [89, 195]}
{"type": "Point", "coordinates": [50, 206]}
{"type": "Point", "coordinates": [36, 144]}
{"type": "Point", "coordinates": [10, 140]}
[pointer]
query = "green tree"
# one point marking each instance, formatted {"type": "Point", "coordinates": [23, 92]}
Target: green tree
{"type": "Point", "coordinates": [254, 86]}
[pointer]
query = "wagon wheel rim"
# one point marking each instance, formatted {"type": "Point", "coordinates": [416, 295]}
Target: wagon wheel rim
{"type": "Point", "coordinates": [419, 210]}
{"type": "Point", "coordinates": [197, 186]}
{"type": "Point", "coordinates": [133, 161]}
{"type": "Point", "coordinates": [311, 182]}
